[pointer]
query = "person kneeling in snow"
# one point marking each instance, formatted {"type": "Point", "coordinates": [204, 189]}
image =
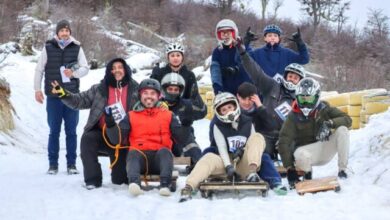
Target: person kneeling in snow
{"type": "Point", "coordinates": [306, 135]}
{"type": "Point", "coordinates": [237, 142]}
{"type": "Point", "coordinates": [149, 128]}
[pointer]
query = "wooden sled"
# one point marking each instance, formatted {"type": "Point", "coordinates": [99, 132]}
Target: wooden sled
{"type": "Point", "coordinates": [283, 171]}
{"type": "Point", "coordinates": [156, 178]}
{"type": "Point", "coordinates": [208, 187]}
{"type": "Point", "coordinates": [317, 185]}
{"type": "Point", "coordinates": [182, 165]}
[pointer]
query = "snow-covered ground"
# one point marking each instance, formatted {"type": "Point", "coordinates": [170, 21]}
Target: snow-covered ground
{"type": "Point", "coordinates": [27, 192]}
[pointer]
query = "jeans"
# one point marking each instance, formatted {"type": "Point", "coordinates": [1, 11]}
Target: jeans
{"type": "Point", "coordinates": [56, 112]}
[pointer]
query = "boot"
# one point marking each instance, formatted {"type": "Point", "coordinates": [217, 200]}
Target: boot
{"type": "Point", "coordinates": [308, 175]}
{"type": "Point", "coordinates": [253, 178]}
{"type": "Point", "coordinates": [72, 170]}
{"type": "Point", "coordinates": [185, 194]}
{"type": "Point", "coordinates": [53, 170]}
{"type": "Point", "coordinates": [280, 190]}
{"type": "Point", "coordinates": [342, 174]}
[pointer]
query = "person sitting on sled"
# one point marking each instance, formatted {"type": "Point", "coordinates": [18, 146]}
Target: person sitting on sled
{"type": "Point", "coordinates": [173, 86]}
{"type": "Point", "coordinates": [149, 128]}
{"type": "Point", "coordinates": [313, 133]}
{"type": "Point", "coordinates": [239, 146]}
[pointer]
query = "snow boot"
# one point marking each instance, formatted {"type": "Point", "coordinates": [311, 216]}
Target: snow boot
{"type": "Point", "coordinates": [185, 194]}
{"type": "Point", "coordinates": [253, 178]}
{"type": "Point", "coordinates": [72, 170]}
{"type": "Point", "coordinates": [280, 190]}
{"type": "Point", "coordinates": [135, 189]}
{"type": "Point", "coordinates": [342, 174]}
{"type": "Point", "coordinates": [53, 170]}
{"type": "Point", "coordinates": [308, 175]}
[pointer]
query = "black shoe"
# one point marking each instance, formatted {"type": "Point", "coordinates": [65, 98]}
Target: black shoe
{"type": "Point", "coordinates": [342, 174]}
{"type": "Point", "coordinates": [72, 170]}
{"type": "Point", "coordinates": [308, 175]}
{"type": "Point", "coordinates": [185, 194]}
{"type": "Point", "coordinates": [53, 170]}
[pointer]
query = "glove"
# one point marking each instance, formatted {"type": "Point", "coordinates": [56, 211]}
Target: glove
{"type": "Point", "coordinates": [231, 173]}
{"type": "Point", "coordinates": [110, 121]}
{"type": "Point", "coordinates": [292, 177]}
{"type": "Point", "coordinates": [296, 37]}
{"type": "Point", "coordinates": [240, 46]}
{"type": "Point", "coordinates": [237, 155]}
{"type": "Point", "coordinates": [325, 131]}
{"type": "Point", "coordinates": [250, 36]}
{"type": "Point", "coordinates": [230, 70]}
{"type": "Point", "coordinates": [59, 91]}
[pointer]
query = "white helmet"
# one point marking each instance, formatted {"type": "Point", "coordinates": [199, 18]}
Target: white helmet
{"type": "Point", "coordinates": [308, 95]}
{"type": "Point", "coordinates": [295, 68]}
{"type": "Point", "coordinates": [221, 99]}
{"type": "Point", "coordinates": [226, 24]}
{"type": "Point", "coordinates": [172, 79]}
{"type": "Point", "coordinates": [174, 47]}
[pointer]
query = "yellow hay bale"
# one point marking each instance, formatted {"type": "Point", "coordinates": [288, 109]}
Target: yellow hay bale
{"type": "Point", "coordinates": [356, 97]}
{"type": "Point", "coordinates": [354, 110]}
{"type": "Point", "coordinates": [337, 100]}
{"type": "Point", "coordinates": [343, 108]}
{"type": "Point", "coordinates": [376, 107]}
{"type": "Point", "coordinates": [355, 122]}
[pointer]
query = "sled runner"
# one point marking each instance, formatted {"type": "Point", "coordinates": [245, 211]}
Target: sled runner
{"type": "Point", "coordinates": [212, 185]}
{"type": "Point", "coordinates": [156, 178]}
{"type": "Point", "coordinates": [317, 185]}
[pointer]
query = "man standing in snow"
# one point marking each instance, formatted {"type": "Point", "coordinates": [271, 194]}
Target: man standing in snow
{"type": "Point", "coordinates": [62, 59]}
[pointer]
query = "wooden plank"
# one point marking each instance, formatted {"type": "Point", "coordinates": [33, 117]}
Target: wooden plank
{"type": "Point", "coordinates": [156, 178]}
{"type": "Point", "coordinates": [317, 185]}
{"type": "Point", "coordinates": [182, 161]}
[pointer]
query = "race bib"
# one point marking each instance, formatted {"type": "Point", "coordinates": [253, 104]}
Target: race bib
{"type": "Point", "coordinates": [278, 78]}
{"type": "Point", "coordinates": [118, 112]}
{"type": "Point", "coordinates": [236, 142]}
{"type": "Point", "coordinates": [282, 110]}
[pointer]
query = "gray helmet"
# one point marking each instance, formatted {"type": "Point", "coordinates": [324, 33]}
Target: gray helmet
{"type": "Point", "coordinates": [174, 47]}
{"type": "Point", "coordinates": [272, 28]}
{"type": "Point", "coordinates": [149, 84]}
{"type": "Point", "coordinates": [295, 68]}
{"type": "Point", "coordinates": [308, 95]}
{"type": "Point", "coordinates": [221, 99]}
{"type": "Point", "coordinates": [226, 24]}
{"type": "Point", "coordinates": [172, 79]}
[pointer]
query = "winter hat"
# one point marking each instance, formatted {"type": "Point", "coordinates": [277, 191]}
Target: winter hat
{"type": "Point", "coordinates": [63, 24]}
{"type": "Point", "coordinates": [272, 28]}
{"type": "Point", "coordinates": [246, 89]}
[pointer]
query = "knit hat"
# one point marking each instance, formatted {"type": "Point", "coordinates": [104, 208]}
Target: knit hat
{"type": "Point", "coordinates": [63, 24]}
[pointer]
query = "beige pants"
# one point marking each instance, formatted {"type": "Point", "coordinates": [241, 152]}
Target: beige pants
{"type": "Point", "coordinates": [212, 164]}
{"type": "Point", "coordinates": [320, 153]}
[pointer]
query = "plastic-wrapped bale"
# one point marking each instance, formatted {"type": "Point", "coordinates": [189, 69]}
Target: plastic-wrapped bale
{"type": "Point", "coordinates": [375, 97]}
{"type": "Point", "coordinates": [355, 98]}
{"type": "Point", "coordinates": [377, 107]}
{"type": "Point", "coordinates": [354, 110]}
{"type": "Point", "coordinates": [205, 89]}
{"type": "Point", "coordinates": [343, 108]}
{"type": "Point", "coordinates": [355, 122]}
{"type": "Point", "coordinates": [337, 100]}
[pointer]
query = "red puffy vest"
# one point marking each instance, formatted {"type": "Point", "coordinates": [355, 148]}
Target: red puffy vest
{"type": "Point", "coordinates": [150, 129]}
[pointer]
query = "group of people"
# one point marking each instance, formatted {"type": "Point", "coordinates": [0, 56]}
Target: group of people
{"type": "Point", "coordinates": [264, 106]}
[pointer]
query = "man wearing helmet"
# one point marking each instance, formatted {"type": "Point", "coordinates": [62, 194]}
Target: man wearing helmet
{"type": "Point", "coordinates": [237, 142]}
{"type": "Point", "coordinates": [175, 56]}
{"type": "Point", "coordinates": [313, 133]}
{"type": "Point", "coordinates": [173, 86]}
{"type": "Point", "coordinates": [277, 98]}
{"type": "Point", "coordinates": [273, 57]}
{"type": "Point", "coordinates": [226, 72]}
{"type": "Point", "coordinates": [149, 129]}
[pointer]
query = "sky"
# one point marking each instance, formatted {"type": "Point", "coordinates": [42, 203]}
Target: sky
{"type": "Point", "coordinates": [357, 13]}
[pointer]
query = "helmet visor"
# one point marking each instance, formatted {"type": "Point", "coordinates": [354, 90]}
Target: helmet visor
{"type": "Point", "coordinates": [306, 100]}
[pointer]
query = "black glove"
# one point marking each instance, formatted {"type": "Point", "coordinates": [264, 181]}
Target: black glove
{"type": "Point", "coordinates": [61, 92]}
{"type": "Point", "coordinates": [250, 36]}
{"type": "Point", "coordinates": [240, 46]}
{"type": "Point", "coordinates": [110, 121]}
{"type": "Point", "coordinates": [231, 173]}
{"type": "Point", "coordinates": [237, 155]}
{"type": "Point", "coordinates": [292, 177]}
{"type": "Point", "coordinates": [296, 37]}
{"type": "Point", "coordinates": [325, 131]}
{"type": "Point", "coordinates": [230, 70]}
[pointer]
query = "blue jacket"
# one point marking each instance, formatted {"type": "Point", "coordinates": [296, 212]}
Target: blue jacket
{"type": "Point", "coordinates": [222, 79]}
{"type": "Point", "coordinates": [274, 59]}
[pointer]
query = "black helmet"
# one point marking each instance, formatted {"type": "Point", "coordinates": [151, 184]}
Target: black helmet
{"type": "Point", "coordinates": [308, 95]}
{"type": "Point", "coordinates": [149, 84]}
{"type": "Point", "coordinates": [172, 79]}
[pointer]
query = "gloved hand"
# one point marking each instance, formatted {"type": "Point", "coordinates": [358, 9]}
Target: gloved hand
{"type": "Point", "coordinates": [110, 121]}
{"type": "Point", "coordinates": [57, 89]}
{"type": "Point", "coordinates": [240, 45]}
{"type": "Point", "coordinates": [237, 155]}
{"type": "Point", "coordinates": [231, 173]}
{"type": "Point", "coordinates": [292, 177]}
{"type": "Point", "coordinates": [296, 37]}
{"type": "Point", "coordinates": [250, 36]}
{"type": "Point", "coordinates": [230, 70]}
{"type": "Point", "coordinates": [325, 131]}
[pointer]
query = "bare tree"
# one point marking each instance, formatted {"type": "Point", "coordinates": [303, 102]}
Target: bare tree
{"type": "Point", "coordinates": [277, 5]}
{"type": "Point", "coordinates": [264, 4]}
{"type": "Point", "coordinates": [340, 16]}
{"type": "Point", "coordinates": [323, 9]}
{"type": "Point", "coordinates": [377, 23]}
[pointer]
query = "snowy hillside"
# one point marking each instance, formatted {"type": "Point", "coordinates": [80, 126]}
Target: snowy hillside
{"type": "Point", "coordinates": [28, 193]}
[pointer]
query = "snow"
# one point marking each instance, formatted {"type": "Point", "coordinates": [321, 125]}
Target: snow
{"type": "Point", "coordinates": [28, 193]}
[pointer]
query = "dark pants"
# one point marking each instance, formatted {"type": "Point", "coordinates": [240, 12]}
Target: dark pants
{"type": "Point", "coordinates": [158, 162]}
{"type": "Point", "coordinates": [91, 144]}
{"type": "Point", "coordinates": [189, 147]}
{"type": "Point", "coordinates": [56, 112]}
{"type": "Point", "coordinates": [270, 146]}
{"type": "Point", "coordinates": [267, 170]}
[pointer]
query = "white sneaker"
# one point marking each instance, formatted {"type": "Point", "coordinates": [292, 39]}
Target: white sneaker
{"type": "Point", "coordinates": [90, 187]}
{"type": "Point", "coordinates": [135, 189]}
{"type": "Point", "coordinates": [164, 191]}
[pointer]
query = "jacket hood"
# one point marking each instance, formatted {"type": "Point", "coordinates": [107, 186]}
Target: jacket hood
{"type": "Point", "coordinates": [109, 78]}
